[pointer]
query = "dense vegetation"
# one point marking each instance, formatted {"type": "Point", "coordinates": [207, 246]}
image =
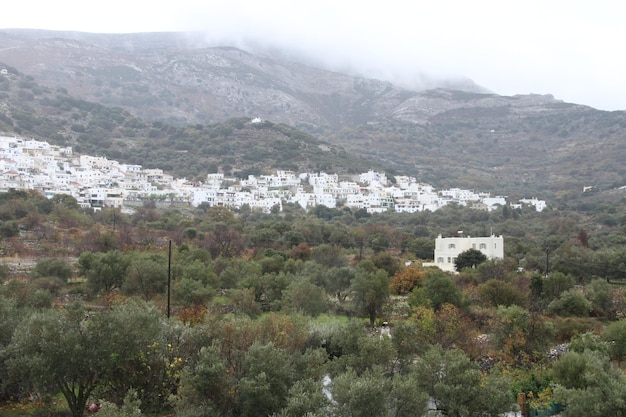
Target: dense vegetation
{"type": "Point", "coordinates": [550, 153]}
{"type": "Point", "coordinates": [279, 314]}
{"type": "Point", "coordinates": [206, 312]}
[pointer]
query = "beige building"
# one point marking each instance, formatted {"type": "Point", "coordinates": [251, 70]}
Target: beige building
{"type": "Point", "coordinates": [448, 248]}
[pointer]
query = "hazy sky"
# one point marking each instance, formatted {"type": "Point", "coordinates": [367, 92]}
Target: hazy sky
{"type": "Point", "coordinates": [569, 48]}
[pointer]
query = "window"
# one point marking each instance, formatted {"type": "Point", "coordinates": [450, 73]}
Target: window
{"type": "Point", "coordinates": [440, 260]}
{"type": "Point", "coordinates": [448, 259]}
{"type": "Point", "coordinates": [451, 246]}
{"type": "Point", "coordinates": [483, 246]}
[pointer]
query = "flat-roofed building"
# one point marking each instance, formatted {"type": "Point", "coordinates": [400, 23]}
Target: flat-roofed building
{"type": "Point", "coordinates": [448, 248]}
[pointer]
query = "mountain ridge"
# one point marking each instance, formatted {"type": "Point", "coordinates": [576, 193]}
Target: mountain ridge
{"type": "Point", "coordinates": [165, 65]}
{"type": "Point", "coordinates": [521, 145]}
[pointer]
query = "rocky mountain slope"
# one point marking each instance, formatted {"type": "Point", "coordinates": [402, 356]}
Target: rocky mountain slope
{"type": "Point", "coordinates": [238, 146]}
{"type": "Point", "coordinates": [179, 82]}
{"type": "Point", "coordinates": [520, 145]}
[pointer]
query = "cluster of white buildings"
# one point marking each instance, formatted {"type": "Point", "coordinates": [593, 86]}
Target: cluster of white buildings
{"type": "Point", "coordinates": [98, 182]}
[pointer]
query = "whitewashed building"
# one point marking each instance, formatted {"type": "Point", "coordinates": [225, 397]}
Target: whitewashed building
{"type": "Point", "coordinates": [539, 205]}
{"type": "Point", "coordinates": [99, 182]}
{"type": "Point", "coordinates": [448, 248]}
{"type": "Point", "coordinates": [493, 203]}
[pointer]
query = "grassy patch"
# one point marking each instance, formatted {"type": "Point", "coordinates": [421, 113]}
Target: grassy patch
{"type": "Point", "coordinates": [329, 319]}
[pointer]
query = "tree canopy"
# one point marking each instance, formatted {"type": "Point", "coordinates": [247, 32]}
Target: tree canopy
{"type": "Point", "coordinates": [291, 316]}
{"type": "Point", "coordinates": [470, 258]}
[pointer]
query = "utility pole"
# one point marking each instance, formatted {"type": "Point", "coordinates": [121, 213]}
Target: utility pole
{"type": "Point", "coordinates": [547, 261]}
{"type": "Point", "coordinates": [169, 277]}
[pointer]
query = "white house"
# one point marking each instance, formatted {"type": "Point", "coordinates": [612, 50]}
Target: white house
{"type": "Point", "coordinates": [492, 203]}
{"type": "Point", "coordinates": [370, 177]}
{"type": "Point", "coordinates": [448, 248]}
{"type": "Point", "coordinates": [539, 205]}
{"type": "Point", "coordinates": [204, 195]}
{"type": "Point", "coordinates": [460, 195]}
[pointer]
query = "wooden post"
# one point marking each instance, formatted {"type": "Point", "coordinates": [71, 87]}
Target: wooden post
{"type": "Point", "coordinates": [521, 401]}
{"type": "Point", "coordinates": [169, 277]}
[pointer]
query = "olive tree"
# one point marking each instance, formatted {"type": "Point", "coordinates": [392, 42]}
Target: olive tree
{"type": "Point", "coordinates": [554, 284]}
{"type": "Point", "coordinates": [360, 395]}
{"type": "Point", "coordinates": [470, 258]}
{"type": "Point", "coordinates": [252, 382]}
{"type": "Point", "coordinates": [105, 271]}
{"type": "Point", "coordinates": [370, 292]}
{"type": "Point", "coordinates": [56, 351]}
{"type": "Point", "coordinates": [57, 268]}
{"type": "Point", "coordinates": [146, 275]}
{"type": "Point", "coordinates": [589, 386]}
{"type": "Point", "coordinates": [599, 292]}
{"type": "Point", "coordinates": [615, 334]}
{"type": "Point", "coordinates": [304, 297]}
{"type": "Point", "coordinates": [570, 303]}
{"type": "Point", "coordinates": [440, 288]}
{"type": "Point", "coordinates": [11, 318]}
{"type": "Point", "coordinates": [142, 353]}
{"type": "Point", "coordinates": [518, 334]}
{"type": "Point", "coordinates": [459, 388]}
{"type": "Point", "coordinates": [102, 355]}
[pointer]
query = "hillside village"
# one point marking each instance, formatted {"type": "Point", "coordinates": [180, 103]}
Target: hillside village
{"type": "Point", "coordinates": [98, 182]}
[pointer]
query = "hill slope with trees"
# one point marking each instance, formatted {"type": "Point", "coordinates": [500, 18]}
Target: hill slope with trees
{"type": "Point", "coordinates": [243, 313]}
{"type": "Point", "coordinates": [237, 146]}
{"type": "Point", "coordinates": [275, 312]}
{"type": "Point", "coordinates": [522, 146]}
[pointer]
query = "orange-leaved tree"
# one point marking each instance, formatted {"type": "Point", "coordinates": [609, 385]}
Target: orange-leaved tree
{"type": "Point", "coordinates": [407, 279]}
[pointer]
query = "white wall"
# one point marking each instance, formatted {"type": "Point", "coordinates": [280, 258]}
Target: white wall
{"type": "Point", "coordinates": [448, 248]}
